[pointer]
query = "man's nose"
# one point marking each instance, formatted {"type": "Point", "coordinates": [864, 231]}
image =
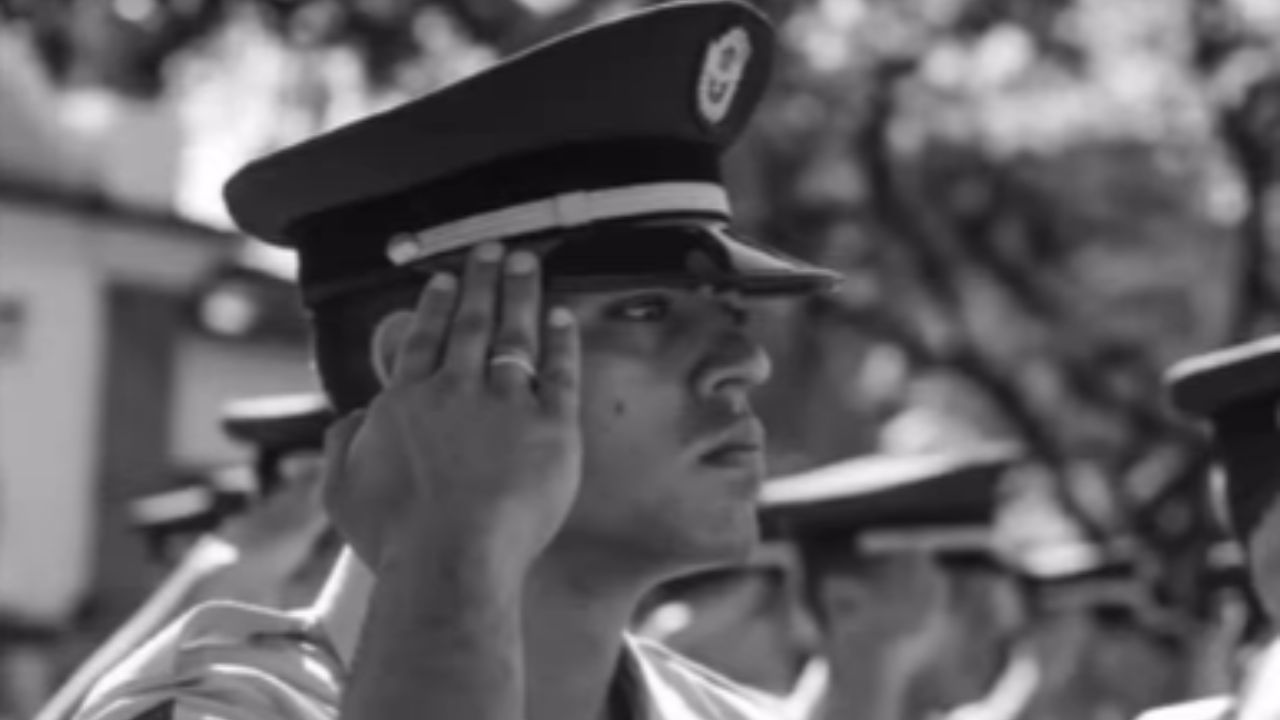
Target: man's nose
{"type": "Point", "coordinates": [738, 365]}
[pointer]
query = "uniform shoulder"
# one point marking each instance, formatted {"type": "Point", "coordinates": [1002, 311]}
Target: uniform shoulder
{"type": "Point", "coordinates": [230, 619]}
{"type": "Point", "coordinates": [1210, 708]}
{"type": "Point", "coordinates": [220, 619]}
{"type": "Point", "coordinates": [222, 658]}
{"type": "Point", "coordinates": [703, 687]}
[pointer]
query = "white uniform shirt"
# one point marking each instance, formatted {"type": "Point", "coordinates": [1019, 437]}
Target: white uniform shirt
{"type": "Point", "coordinates": [226, 661]}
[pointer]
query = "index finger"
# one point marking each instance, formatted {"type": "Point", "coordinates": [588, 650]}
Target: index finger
{"type": "Point", "coordinates": [559, 380]}
{"type": "Point", "coordinates": [422, 346]}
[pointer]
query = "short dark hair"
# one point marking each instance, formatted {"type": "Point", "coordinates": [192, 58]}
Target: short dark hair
{"type": "Point", "coordinates": [342, 329]}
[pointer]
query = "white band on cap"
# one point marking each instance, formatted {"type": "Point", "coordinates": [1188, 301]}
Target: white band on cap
{"type": "Point", "coordinates": [174, 504]}
{"type": "Point", "coordinates": [562, 211]}
{"type": "Point", "coordinates": [927, 539]}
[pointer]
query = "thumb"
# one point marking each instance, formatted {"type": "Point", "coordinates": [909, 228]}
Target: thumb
{"type": "Point", "coordinates": [337, 444]}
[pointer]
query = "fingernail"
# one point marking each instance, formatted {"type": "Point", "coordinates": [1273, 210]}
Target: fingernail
{"type": "Point", "coordinates": [442, 282]}
{"type": "Point", "coordinates": [560, 317]}
{"type": "Point", "coordinates": [489, 252]}
{"type": "Point", "coordinates": [403, 248]}
{"type": "Point", "coordinates": [521, 263]}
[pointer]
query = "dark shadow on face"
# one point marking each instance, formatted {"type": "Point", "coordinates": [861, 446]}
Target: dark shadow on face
{"type": "Point", "coordinates": [674, 455]}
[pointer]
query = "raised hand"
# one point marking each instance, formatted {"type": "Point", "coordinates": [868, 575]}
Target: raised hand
{"type": "Point", "coordinates": [474, 443]}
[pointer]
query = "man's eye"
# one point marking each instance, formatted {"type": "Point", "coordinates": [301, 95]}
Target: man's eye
{"type": "Point", "coordinates": [648, 309]}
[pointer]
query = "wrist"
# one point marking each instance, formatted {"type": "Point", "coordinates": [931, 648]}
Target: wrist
{"type": "Point", "coordinates": [470, 560]}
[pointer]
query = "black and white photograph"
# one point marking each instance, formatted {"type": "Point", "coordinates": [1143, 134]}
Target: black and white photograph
{"type": "Point", "coordinates": [639, 359]}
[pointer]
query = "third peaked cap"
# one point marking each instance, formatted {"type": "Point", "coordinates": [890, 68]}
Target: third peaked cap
{"type": "Point", "coordinates": [1205, 384]}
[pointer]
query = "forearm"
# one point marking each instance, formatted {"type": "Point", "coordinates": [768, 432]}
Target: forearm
{"type": "Point", "coordinates": [442, 639]}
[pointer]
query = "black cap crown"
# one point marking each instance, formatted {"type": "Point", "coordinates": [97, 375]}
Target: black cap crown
{"type": "Point", "coordinates": [623, 121]}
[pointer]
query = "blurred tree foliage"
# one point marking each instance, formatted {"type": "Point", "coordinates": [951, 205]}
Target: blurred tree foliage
{"type": "Point", "coordinates": [1040, 205]}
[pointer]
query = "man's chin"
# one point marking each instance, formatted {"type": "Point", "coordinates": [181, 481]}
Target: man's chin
{"type": "Point", "coordinates": [724, 534]}
{"type": "Point", "coordinates": [734, 546]}
{"type": "Point", "coordinates": [737, 482]}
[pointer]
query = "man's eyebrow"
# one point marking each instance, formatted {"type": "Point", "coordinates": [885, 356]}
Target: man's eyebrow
{"type": "Point", "coordinates": [731, 301]}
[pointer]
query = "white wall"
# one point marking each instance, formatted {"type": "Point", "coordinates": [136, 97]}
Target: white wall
{"type": "Point", "coordinates": [56, 265]}
{"type": "Point", "coordinates": [49, 395]}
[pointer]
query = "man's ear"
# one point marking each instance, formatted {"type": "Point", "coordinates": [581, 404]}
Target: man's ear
{"type": "Point", "coordinates": [384, 344]}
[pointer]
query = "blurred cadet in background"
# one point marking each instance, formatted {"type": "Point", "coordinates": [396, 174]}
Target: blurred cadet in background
{"type": "Point", "coordinates": [917, 616]}
{"type": "Point", "coordinates": [173, 522]}
{"type": "Point", "coordinates": [244, 533]}
{"type": "Point", "coordinates": [1237, 391]}
{"type": "Point", "coordinates": [25, 671]}
{"type": "Point", "coordinates": [285, 534]}
{"type": "Point", "coordinates": [1092, 621]}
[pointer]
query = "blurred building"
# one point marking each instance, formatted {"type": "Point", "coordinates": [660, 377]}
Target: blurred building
{"type": "Point", "coordinates": [122, 330]}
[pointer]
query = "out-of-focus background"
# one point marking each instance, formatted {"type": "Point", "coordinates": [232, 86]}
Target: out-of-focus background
{"type": "Point", "coordinates": [1039, 204]}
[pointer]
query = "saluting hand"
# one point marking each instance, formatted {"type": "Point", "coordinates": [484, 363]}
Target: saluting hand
{"type": "Point", "coordinates": [474, 443]}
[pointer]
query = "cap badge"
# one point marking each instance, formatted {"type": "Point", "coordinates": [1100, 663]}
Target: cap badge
{"type": "Point", "coordinates": [722, 70]}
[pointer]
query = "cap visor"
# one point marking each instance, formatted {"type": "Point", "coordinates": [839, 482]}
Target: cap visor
{"type": "Point", "coordinates": [278, 421]}
{"type": "Point", "coordinates": [760, 271]}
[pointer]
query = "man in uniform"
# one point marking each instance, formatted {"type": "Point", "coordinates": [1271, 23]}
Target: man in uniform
{"type": "Point", "coordinates": [529, 283]}
{"type": "Point", "coordinates": [1237, 391]}
{"type": "Point", "coordinates": [284, 535]}
{"type": "Point", "coordinates": [1104, 646]}
{"type": "Point", "coordinates": [240, 533]}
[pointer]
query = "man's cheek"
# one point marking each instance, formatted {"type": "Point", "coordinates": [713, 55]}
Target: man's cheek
{"type": "Point", "coordinates": [612, 343]}
{"type": "Point", "coordinates": [1264, 552]}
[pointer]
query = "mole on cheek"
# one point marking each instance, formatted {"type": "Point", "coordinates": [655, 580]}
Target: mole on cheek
{"type": "Point", "coordinates": [619, 408]}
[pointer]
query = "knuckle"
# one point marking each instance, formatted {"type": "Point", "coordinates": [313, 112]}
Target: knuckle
{"type": "Point", "coordinates": [480, 286]}
{"type": "Point", "coordinates": [436, 316]}
{"type": "Point", "coordinates": [509, 388]}
{"type": "Point", "coordinates": [448, 380]}
{"type": "Point", "coordinates": [472, 322]}
{"type": "Point", "coordinates": [519, 288]}
{"type": "Point", "coordinates": [513, 339]}
{"type": "Point", "coordinates": [559, 378]}
{"type": "Point", "coordinates": [438, 290]}
{"type": "Point", "coordinates": [482, 274]}
{"type": "Point", "coordinates": [561, 339]}
{"type": "Point", "coordinates": [424, 338]}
